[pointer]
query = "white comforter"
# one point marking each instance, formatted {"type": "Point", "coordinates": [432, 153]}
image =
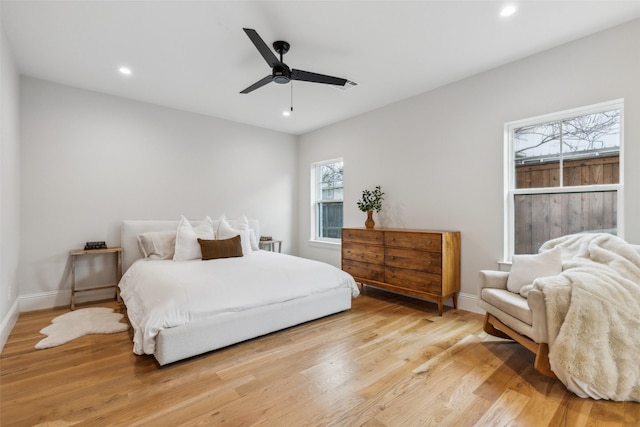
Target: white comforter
{"type": "Point", "coordinates": [162, 294]}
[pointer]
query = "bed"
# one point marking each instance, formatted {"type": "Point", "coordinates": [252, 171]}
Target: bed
{"type": "Point", "coordinates": [180, 309]}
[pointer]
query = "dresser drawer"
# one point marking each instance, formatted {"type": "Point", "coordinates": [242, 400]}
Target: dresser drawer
{"type": "Point", "coordinates": [363, 270]}
{"type": "Point", "coordinates": [422, 241]}
{"type": "Point", "coordinates": [372, 237]}
{"type": "Point", "coordinates": [430, 262]}
{"type": "Point", "coordinates": [368, 254]}
{"type": "Point", "coordinates": [414, 280]}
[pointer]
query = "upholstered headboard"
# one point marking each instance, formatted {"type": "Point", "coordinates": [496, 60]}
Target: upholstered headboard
{"type": "Point", "coordinates": [131, 228]}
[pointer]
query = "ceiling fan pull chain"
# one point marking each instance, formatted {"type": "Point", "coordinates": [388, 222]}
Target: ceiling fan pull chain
{"type": "Point", "coordinates": [292, 96]}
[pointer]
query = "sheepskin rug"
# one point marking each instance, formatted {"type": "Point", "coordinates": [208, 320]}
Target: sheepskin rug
{"type": "Point", "coordinates": [72, 325]}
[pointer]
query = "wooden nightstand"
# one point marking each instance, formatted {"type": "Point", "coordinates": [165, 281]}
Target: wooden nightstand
{"type": "Point", "coordinates": [79, 252]}
{"type": "Point", "coordinates": [271, 245]}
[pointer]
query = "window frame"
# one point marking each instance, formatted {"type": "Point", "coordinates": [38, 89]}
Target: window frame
{"type": "Point", "coordinates": [509, 181]}
{"type": "Point", "coordinates": [316, 199]}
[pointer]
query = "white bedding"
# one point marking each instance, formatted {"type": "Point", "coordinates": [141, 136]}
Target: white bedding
{"type": "Point", "coordinates": [161, 294]}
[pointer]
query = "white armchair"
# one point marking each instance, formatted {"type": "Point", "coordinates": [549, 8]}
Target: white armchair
{"type": "Point", "coordinates": [512, 316]}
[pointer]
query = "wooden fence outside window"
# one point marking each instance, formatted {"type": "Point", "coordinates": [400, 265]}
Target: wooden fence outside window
{"type": "Point", "coordinates": [541, 217]}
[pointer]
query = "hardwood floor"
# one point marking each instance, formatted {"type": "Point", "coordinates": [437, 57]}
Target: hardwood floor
{"type": "Point", "coordinates": [390, 361]}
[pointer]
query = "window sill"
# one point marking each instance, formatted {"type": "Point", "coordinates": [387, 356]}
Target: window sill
{"type": "Point", "coordinates": [325, 244]}
{"type": "Point", "coordinates": [504, 265]}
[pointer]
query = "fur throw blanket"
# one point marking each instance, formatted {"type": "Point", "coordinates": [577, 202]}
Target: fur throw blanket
{"type": "Point", "coordinates": [593, 315]}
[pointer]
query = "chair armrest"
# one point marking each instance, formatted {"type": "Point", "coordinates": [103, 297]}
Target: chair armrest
{"type": "Point", "coordinates": [538, 307]}
{"type": "Point", "coordinates": [493, 279]}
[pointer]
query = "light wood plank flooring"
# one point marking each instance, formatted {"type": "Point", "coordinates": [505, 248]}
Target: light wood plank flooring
{"type": "Point", "coordinates": [390, 361]}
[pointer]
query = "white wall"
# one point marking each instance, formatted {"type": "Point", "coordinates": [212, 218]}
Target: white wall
{"type": "Point", "coordinates": [439, 156]}
{"type": "Point", "coordinates": [9, 189]}
{"type": "Point", "coordinates": [90, 160]}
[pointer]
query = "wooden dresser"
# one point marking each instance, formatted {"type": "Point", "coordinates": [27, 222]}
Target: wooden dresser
{"type": "Point", "coordinates": [418, 263]}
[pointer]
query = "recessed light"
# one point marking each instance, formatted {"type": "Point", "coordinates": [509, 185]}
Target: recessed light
{"type": "Point", "coordinates": [508, 11]}
{"type": "Point", "coordinates": [125, 71]}
{"type": "Point", "coordinates": [286, 113]}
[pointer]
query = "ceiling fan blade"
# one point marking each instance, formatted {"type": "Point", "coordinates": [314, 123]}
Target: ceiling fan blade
{"type": "Point", "coordinates": [258, 84]}
{"type": "Point", "coordinates": [262, 47]}
{"type": "Point", "coordinates": [308, 76]}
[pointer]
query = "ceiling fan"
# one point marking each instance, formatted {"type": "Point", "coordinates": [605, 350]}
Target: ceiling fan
{"type": "Point", "coordinates": [281, 73]}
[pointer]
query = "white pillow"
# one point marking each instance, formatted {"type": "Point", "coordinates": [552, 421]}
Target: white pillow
{"type": "Point", "coordinates": [187, 246]}
{"type": "Point", "coordinates": [226, 231]}
{"type": "Point", "coordinates": [157, 244]}
{"type": "Point", "coordinates": [526, 268]}
{"type": "Point", "coordinates": [254, 240]}
{"type": "Point", "coordinates": [240, 223]}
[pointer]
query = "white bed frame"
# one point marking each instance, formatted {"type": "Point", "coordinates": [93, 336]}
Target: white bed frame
{"type": "Point", "coordinates": [195, 338]}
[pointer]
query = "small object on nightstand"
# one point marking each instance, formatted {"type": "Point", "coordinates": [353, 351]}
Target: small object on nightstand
{"type": "Point", "coordinates": [270, 244]}
{"type": "Point", "coordinates": [266, 238]}
{"type": "Point", "coordinates": [95, 245]}
{"type": "Point", "coordinates": [78, 252]}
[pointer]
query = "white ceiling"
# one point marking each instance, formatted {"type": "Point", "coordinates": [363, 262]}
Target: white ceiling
{"type": "Point", "coordinates": [194, 55]}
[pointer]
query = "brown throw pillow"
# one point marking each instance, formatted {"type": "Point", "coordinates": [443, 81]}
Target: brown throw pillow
{"type": "Point", "coordinates": [227, 248]}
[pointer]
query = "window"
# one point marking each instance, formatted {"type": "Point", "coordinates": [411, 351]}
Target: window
{"type": "Point", "coordinates": [327, 190]}
{"type": "Point", "coordinates": [563, 176]}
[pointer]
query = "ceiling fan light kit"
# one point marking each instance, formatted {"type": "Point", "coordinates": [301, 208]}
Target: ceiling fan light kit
{"type": "Point", "coordinates": [280, 72]}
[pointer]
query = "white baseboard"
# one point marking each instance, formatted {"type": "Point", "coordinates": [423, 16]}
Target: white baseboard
{"type": "Point", "coordinates": [51, 299]}
{"type": "Point", "coordinates": [469, 302]}
{"type": "Point", "coordinates": [8, 323]}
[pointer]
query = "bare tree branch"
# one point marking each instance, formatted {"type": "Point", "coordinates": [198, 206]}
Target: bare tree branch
{"type": "Point", "coordinates": [577, 134]}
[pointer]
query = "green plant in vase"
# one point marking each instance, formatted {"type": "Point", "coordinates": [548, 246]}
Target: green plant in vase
{"type": "Point", "coordinates": [369, 202]}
